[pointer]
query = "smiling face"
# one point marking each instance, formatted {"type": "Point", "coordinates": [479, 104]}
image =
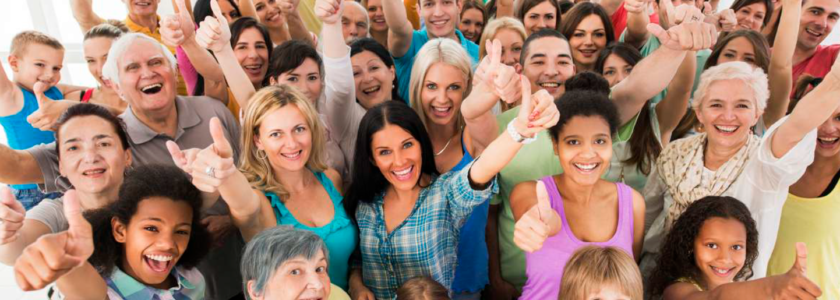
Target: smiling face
{"type": "Point", "coordinates": [96, 52]}
{"type": "Point", "coordinates": [828, 137]}
{"type": "Point", "coordinates": [543, 15]}
{"type": "Point", "coordinates": [377, 16]}
{"type": "Point", "coordinates": [818, 19]}
{"type": "Point", "coordinates": [720, 250]}
{"type": "Point", "coordinates": [511, 46]}
{"type": "Point", "coordinates": [738, 49]}
{"type": "Point", "coordinates": [92, 156]}
{"type": "Point", "coordinates": [306, 78]}
{"type": "Point", "coordinates": [269, 13]}
{"type": "Point", "coordinates": [398, 156]}
{"type": "Point", "coordinates": [584, 148]}
{"type": "Point", "coordinates": [587, 41]}
{"type": "Point", "coordinates": [616, 69]}
{"type": "Point", "coordinates": [354, 22]}
{"type": "Point", "coordinates": [727, 113]}
{"type": "Point", "coordinates": [374, 80]}
{"type": "Point", "coordinates": [39, 63]}
{"type": "Point", "coordinates": [251, 51]}
{"type": "Point", "coordinates": [142, 8]}
{"type": "Point", "coordinates": [751, 16]}
{"type": "Point", "coordinates": [297, 279]}
{"type": "Point", "coordinates": [548, 64]}
{"type": "Point", "coordinates": [147, 79]}
{"type": "Point", "coordinates": [286, 138]}
{"type": "Point", "coordinates": [441, 17]}
{"type": "Point", "coordinates": [154, 239]}
{"type": "Point", "coordinates": [472, 22]}
{"type": "Point", "coordinates": [442, 92]}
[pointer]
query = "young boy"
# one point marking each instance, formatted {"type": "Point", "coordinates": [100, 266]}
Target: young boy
{"type": "Point", "coordinates": [36, 60]}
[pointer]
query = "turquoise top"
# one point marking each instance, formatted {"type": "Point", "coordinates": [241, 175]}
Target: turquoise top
{"type": "Point", "coordinates": [340, 235]}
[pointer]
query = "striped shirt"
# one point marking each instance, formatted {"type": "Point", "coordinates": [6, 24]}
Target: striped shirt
{"type": "Point", "coordinates": [426, 241]}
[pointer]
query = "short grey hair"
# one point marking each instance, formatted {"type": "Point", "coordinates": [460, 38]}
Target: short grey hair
{"type": "Point", "coordinates": [111, 71]}
{"type": "Point", "coordinates": [753, 78]}
{"type": "Point", "coordinates": [271, 248]}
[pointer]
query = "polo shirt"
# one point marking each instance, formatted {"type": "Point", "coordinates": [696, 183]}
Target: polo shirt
{"type": "Point", "coordinates": [405, 63]}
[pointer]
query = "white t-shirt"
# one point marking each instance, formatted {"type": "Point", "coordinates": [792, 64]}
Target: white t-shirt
{"type": "Point", "coordinates": [762, 187]}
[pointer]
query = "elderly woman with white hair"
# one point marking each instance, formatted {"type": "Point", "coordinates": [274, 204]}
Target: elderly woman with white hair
{"type": "Point", "coordinates": [729, 160]}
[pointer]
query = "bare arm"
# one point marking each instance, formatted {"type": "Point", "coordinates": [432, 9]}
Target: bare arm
{"type": "Point", "coordinates": [84, 15]}
{"type": "Point", "coordinates": [781, 63]}
{"type": "Point", "coordinates": [524, 198]}
{"type": "Point", "coordinates": [637, 21]}
{"type": "Point", "coordinates": [505, 8]}
{"type": "Point", "coordinates": [30, 232]}
{"type": "Point", "coordinates": [638, 224]}
{"type": "Point", "coordinates": [611, 6]}
{"type": "Point", "coordinates": [247, 9]}
{"type": "Point", "coordinates": [83, 283]}
{"type": "Point", "coordinates": [673, 107]}
{"type": "Point", "coordinates": [19, 167]}
{"type": "Point", "coordinates": [399, 28]}
{"type": "Point", "coordinates": [648, 78]}
{"type": "Point", "coordinates": [298, 30]}
{"type": "Point", "coordinates": [9, 95]}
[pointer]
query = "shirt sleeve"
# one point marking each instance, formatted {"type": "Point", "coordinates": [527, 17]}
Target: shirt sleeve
{"type": "Point", "coordinates": [47, 158]}
{"type": "Point", "coordinates": [343, 112]}
{"type": "Point", "coordinates": [51, 213]}
{"type": "Point", "coordinates": [771, 173]}
{"type": "Point", "coordinates": [462, 197]}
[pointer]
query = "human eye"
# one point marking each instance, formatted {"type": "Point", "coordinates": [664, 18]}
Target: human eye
{"type": "Point", "coordinates": [150, 228]}
{"type": "Point", "coordinates": [39, 65]}
{"type": "Point", "coordinates": [72, 148]}
{"type": "Point", "coordinates": [572, 142]}
{"type": "Point", "coordinates": [743, 106]}
{"type": "Point", "coordinates": [454, 87]}
{"type": "Point", "coordinates": [292, 79]}
{"type": "Point", "coordinates": [321, 269]}
{"type": "Point", "coordinates": [300, 129]}
{"type": "Point", "coordinates": [578, 34]}
{"type": "Point", "coordinates": [313, 78]}
{"type": "Point", "coordinates": [384, 152]}
{"type": "Point", "coordinates": [183, 232]}
{"type": "Point", "coordinates": [737, 247]}
{"type": "Point", "coordinates": [549, 17]}
{"type": "Point", "coordinates": [295, 272]}
{"type": "Point", "coordinates": [600, 141]}
{"type": "Point", "coordinates": [274, 134]}
{"type": "Point", "coordinates": [609, 72]}
{"type": "Point", "coordinates": [89, 61]}
{"type": "Point", "coordinates": [408, 145]}
{"type": "Point", "coordinates": [104, 144]}
{"type": "Point", "coordinates": [431, 86]}
{"type": "Point", "coordinates": [716, 105]}
{"type": "Point", "coordinates": [712, 246]}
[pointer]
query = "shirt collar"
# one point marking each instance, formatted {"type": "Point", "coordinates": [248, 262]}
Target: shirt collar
{"type": "Point", "coordinates": [134, 27]}
{"type": "Point", "coordinates": [140, 133]}
{"type": "Point", "coordinates": [461, 39]}
{"type": "Point", "coordinates": [130, 288]}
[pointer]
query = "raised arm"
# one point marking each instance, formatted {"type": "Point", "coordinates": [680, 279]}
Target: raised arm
{"type": "Point", "coordinates": [492, 81]}
{"type": "Point", "coordinates": [654, 72]}
{"type": "Point", "coordinates": [637, 21]}
{"type": "Point", "coordinates": [9, 92]}
{"type": "Point", "coordinates": [340, 89]}
{"type": "Point", "coordinates": [84, 15]}
{"type": "Point", "coordinates": [399, 28]}
{"type": "Point", "coordinates": [247, 9]}
{"type": "Point", "coordinates": [19, 167]}
{"type": "Point", "coordinates": [15, 231]}
{"type": "Point", "coordinates": [781, 62]}
{"type": "Point", "coordinates": [297, 29]}
{"type": "Point", "coordinates": [816, 107]}
{"type": "Point", "coordinates": [673, 107]}
{"type": "Point", "coordinates": [611, 6]}
{"type": "Point", "coordinates": [504, 8]}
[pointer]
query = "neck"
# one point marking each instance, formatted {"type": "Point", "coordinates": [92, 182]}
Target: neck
{"type": "Point", "coordinates": [405, 196]}
{"type": "Point", "coordinates": [575, 192]}
{"type": "Point", "coordinates": [441, 134]}
{"type": "Point", "coordinates": [380, 36]}
{"type": "Point", "coordinates": [165, 122]}
{"type": "Point", "coordinates": [278, 36]}
{"type": "Point", "coordinates": [715, 155]}
{"type": "Point", "coordinates": [800, 54]}
{"type": "Point", "coordinates": [149, 21]}
{"type": "Point", "coordinates": [579, 68]}
{"type": "Point", "coordinates": [824, 166]}
{"type": "Point", "coordinates": [90, 201]}
{"type": "Point", "coordinates": [293, 181]}
{"type": "Point", "coordinates": [452, 36]}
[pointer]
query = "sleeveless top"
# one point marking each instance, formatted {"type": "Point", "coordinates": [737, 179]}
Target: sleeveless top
{"type": "Point", "coordinates": [471, 269]}
{"type": "Point", "coordinates": [85, 97]}
{"type": "Point", "coordinates": [544, 267]}
{"type": "Point", "coordinates": [340, 235]}
{"type": "Point", "coordinates": [20, 135]}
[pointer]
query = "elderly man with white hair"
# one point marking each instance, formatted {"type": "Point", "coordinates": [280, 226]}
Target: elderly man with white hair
{"type": "Point", "coordinates": [143, 72]}
{"type": "Point", "coordinates": [728, 159]}
{"type": "Point", "coordinates": [355, 22]}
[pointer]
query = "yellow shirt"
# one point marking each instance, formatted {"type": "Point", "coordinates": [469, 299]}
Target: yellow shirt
{"type": "Point", "coordinates": [411, 13]}
{"type": "Point", "coordinates": [306, 10]}
{"type": "Point", "coordinates": [336, 293]}
{"type": "Point", "coordinates": [233, 106]}
{"type": "Point", "coordinates": [134, 27]}
{"type": "Point", "coordinates": [815, 222]}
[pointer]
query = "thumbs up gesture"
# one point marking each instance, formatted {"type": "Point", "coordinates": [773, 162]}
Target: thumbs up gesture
{"type": "Point", "coordinates": [537, 112]}
{"type": "Point", "coordinates": [12, 214]}
{"type": "Point", "coordinates": [214, 32]}
{"type": "Point", "coordinates": [328, 11]}
{"type": "Point", "coordinates": [794, 284]}
{"type": "Point", "coordinates": [691, 36]}
{"type": "Point", "coordinates": [212, 165]}
{"type": "Point", "coordinates": [177, 29]}
{"type": "Point", "coordinates": [48, 110]}
{"type": "Point", "coordinates": [53, 255]}
{"type": "Point", "coordinates": [534, 227]}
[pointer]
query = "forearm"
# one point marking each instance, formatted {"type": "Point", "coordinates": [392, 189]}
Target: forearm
{"type": "Point", "coordinates": [637, 33]}
{"type": "Point", "coordinates": [648, 78]}
{"type": "Point", "coordinates": [19, 167]}
{"type": "Point", "coordinates": [333, 39]}
{"type": "Point", "coordinates": [504, 8]}
{"type": "Point", "coordinates": [673, 107]}
{"type": "Point", "coordinates": [781, 65]}
{"type": "Point", "coordinates": [203, 61]}
{"type": "Point", "coordinates": [10, 252]}
{"type": "Point", "coordinates": [238, 82]}
{"type": "Point", "coordinates": [247, 9]}
{"type": "Point", "coordinates": [816, 107]}
{"type": "Point", "coordinates": [399, 28]}
{"type": "Point", "coordinates": [84, 15]}
{"type": "Point", "coordinates": [243, 203]}
{"type": "Point", "coordinates": [757, 289]}
{"type": "Point", "coordinates": [82, 283]}
{"type": "Point", "coordinates": [611, 6]}
{"type": "Point", "coordinates": [297, 30]}
{"type": "Point", "coordinates": [495, 157]}
{"type": "Point", "coordinates": [217, 90]}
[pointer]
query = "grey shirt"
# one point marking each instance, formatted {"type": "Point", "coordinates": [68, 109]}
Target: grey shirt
{"type": "Point", "coordinates": [149, 147]}
{"type": "Point", "coordinates": [51, 213]}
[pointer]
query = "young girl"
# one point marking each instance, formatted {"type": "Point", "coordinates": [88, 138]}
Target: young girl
{"type": "Point", "coordinates": [601, 273]}
{"type": "Point", "coordinates": [710, 251]}
{"type": "Point", "coordinates": [422, 288]}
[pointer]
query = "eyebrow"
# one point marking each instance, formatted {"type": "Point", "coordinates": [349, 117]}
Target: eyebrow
{"type": "Point", "coordinates": [403, 142]}
{"type": "Point", "coordinates": [161, 221]}
{"type": "Point", "coordinates": [95, 138]}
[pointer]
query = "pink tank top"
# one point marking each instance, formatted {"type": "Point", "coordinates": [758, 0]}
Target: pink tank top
{"type": "Point", "coordinates": [544, 267]}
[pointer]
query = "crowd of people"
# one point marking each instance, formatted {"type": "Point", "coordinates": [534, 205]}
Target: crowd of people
{"type": "Point", "coordinates": [428, 149]}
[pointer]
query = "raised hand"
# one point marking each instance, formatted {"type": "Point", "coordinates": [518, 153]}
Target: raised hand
{"type": "Point", "coordinates": [686, 13]}
{"type": "Point", "coordinates": [692, 36]}
{"type": "Point", "coordinates": [498, 78]}
{"type": "Point", "coordinates": [327, 11]}
{"type": "Point", "coordinates": [724, 20]}
{"type": "Point", "coordinates": [533, 228]}
{"type": "Point", "coordinates": [54, 255]}
{"type": "Point", "coordinates": [214, 32]}
{"type": "Point", "coordinates": [214, 164]}
{"type": "Point", "coordinates": [177, 29]}
{"type": "Point", "coordinates": [12, 214]}
{"type": "Point", "coordinates": [288, 7]}
{"type": "Point", "coordinates": [182, 158]}
{"type": "Point", "coordinates": [794, 284]}
{"type": "Point", "coordinates": [48, 110]}
{"type": "Point", "coordinates": [537, 112]}
{"type": "Point", "coordinates": [636, 6]}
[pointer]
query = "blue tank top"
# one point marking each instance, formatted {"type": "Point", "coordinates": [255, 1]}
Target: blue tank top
{"type": "Point", "coordinates": [20, 135]}
{"type": "Point", "coordinates": [340, 235]}
{"type": "Point", "coordinates": [471, 272]}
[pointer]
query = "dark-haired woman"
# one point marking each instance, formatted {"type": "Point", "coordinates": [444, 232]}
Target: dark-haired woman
{"type": "Point", "coordinates": [638, 142]}
{"type": "Point", "coordinates": [537, 14]}
{"type": "Point", "coordinates": [559, 214]}
{"type": "Point", "coordinates": [403, 205]}
{"type": "Point", "coordinates": [752, 14]}
{"type": "Point", "coordinates": [588, 28]}
{"type": "Point", "coordinates": [473, 19]}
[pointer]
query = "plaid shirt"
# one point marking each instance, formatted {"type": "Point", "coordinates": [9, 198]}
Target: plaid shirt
{"type": "Point", "coordinates": [425, 243]}
{"type": "Point", "coordinates": [190, 286]}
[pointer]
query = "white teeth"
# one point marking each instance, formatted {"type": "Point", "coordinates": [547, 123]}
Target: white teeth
{"type": "Point", "coordinates": [549, 84]}
{"type": "Point", "coordinates": [162, 258]}
{"type": "Point", "coordinates": [813, 32]}
{"type": "Point", "coordinates": [727, 129]}
{"type": "Point", "coordinates": [403, 172]}
{"type": "Point", "coordinates": [828, 140]}
{"type": "Point", "coordinates": [720, 271]}
{"type": "Point", "coordinates": [586, 167]}
{"type": "Point", "coordinates": [292, 156]}
{"type": "Point", "coordinates": [253, 67]}
{"type": "Point", "coordinates": [440, 109]}
{"type": "Point", "coordinates": [371, 90]}
{"type": "Point", "coordinates": [149, 87]}
{"type": "Point", "coordinates": [100, 171]}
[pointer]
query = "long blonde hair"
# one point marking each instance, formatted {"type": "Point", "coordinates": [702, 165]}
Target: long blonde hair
{"type": "Point", "coordinates": [255, 166]}
{"type": "Point", "coordinates": [593, 267]}
{"type": "Point", "coordinates": [496, 26]}
{"type": "Point", "coordinates": [444, 51]}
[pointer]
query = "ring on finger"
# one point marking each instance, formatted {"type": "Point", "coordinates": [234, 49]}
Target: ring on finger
{"type": "Point", "coordinates": [210, 171]}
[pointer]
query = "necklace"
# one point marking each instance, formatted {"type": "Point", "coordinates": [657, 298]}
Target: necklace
{"type": "Point", "coordinates": [444, 147]}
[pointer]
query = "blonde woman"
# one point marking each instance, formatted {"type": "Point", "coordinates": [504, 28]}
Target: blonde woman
{"type": "Point", "coordinates": [511, 33]}
{"type": "Point", "coordinates": [283, 178]}
{"type": "Point", "coordinates": [601, 273]}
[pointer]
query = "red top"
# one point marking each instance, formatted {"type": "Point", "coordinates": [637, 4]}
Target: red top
{"type": "Point", "coordinates": [818, 64]}
{"type": "Point", "coordinates": [86, 96]}
{"type": "Point", "coordinates": [619, 20]}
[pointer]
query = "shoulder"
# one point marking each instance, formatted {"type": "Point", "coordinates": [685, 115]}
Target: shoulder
{"type": "Point", "coordinates": [638, 201]}
{"type": "Point", "coordinates": [679, 290]}
{"type": "Point", "coordinates": [336, 179]}
{"type": "Point", "coordinates": [525, 189]}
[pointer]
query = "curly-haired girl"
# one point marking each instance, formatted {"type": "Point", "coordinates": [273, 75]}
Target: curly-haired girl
{"type": "Point", "coordinates": [721, 240]}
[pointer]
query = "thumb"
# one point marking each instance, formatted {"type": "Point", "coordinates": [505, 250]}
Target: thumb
{"type": "Point", "coordinates": [707, 8]}
{"type": "Point", "coordinates": [177, 155]}
{"type": "Point", "coordinates": [659, 32]}
{"type": "Point", "coordinates": [801, 262]}
{"type": "Point", "coordinates": [182, 10]}
{"type": "Point", "coordinates": [220, 142]}
{"type": "Point", "coordinates": [543, 203]}
{"type": "Point", "coordinates": [496, 58]}
{"type": "Point", "coordinates": [525, 106]}
{"type": "Point", "coordinates": [38, 89]}
{"type": "Point", "coordinates": [79, 226]}
{"type": "Point", "coordinates": [217, 11]}
{"type": "Point", "coordinates": [8, 199]}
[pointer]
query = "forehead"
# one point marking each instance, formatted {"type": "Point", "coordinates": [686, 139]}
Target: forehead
{"type": "Point", "coordinates": [755, 6]}
{"type": "Point", "coordinates": [740, 44]}
{"type": "Point", "coordinates": [141, 50]}
{"type": "Point", "coordinates": [44, 52]}
{"type": "Point", "coordinates": [549, 46]}
{"type": "Point", "coordinates": [443, 72]}
{"type": "Point", "coordinates": [308, 66]}
{"type": "Point", "coordinates": [542, 7]}
{"type": "Point", "coordinates": [723, 227]}
{"type": "Point", "coordinates": [508, 35]}
{"type": "Point", "coordinates": [586, 126]}
{"type": "Point", "coordinates": [590, 22]}
{"type": "Point", "coordinates": [352, 11]}
{"type": "Point", "coordinates": [729, 90]}
{"type": "Point", "coordinates": [283, 117]}
{"type": "Point", "coordinates": [86, 126]}
{"type": "Point", "coordinates": [389, 134]}
{"type": "Point", "coordinates": [167, 210]}
{"type": "Point", "coordinates": [831, 6]}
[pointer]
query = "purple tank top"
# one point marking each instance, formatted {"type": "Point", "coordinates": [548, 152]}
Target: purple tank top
{"type": "Point", "coordinates": [544, 267]}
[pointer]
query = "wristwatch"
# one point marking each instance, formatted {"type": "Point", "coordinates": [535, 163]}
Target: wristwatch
{"type": "Point", "coordinates": [518, 137]}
